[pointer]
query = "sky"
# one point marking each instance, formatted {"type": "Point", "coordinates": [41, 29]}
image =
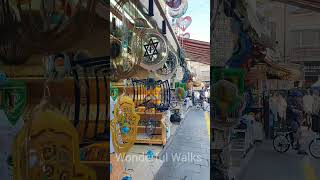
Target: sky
{"type": "Point", "coordinates": [199, 11]}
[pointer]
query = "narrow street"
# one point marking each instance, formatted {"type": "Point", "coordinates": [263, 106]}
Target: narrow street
{"type": "Point", "coordinates": [187, 157]}
{"type": "Point", "coordinates": [267, 164]}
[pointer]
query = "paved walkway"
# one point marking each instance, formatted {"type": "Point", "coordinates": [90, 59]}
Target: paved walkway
{"type": "Point", "coordinates": [266, 164]}
{"type": "Point", "coordinates": [187, 157]}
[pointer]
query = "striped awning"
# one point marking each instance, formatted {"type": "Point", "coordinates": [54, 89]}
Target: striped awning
{"type": "Point", "coordinates": [198, 51]}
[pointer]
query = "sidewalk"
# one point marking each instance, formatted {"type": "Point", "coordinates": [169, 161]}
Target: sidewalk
{"type": "Point", "coordinates": [268, 164]}
{"type": "Point", "coordinates": [187, 157]}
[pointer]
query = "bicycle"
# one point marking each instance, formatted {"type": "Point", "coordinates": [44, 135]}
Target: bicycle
{"type": "Point", "coordinates": [314, 146]}
{"type": "Point", "coordinates": [202, 105]}
{"type": "Point", "coordinates": [283, 140]}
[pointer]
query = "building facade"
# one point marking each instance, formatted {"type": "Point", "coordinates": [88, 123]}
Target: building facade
{"type": "Point", "coordinates": [298, 38]}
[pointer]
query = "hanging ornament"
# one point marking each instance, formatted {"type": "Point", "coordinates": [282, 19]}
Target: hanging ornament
{"type": "Point", "coordinates": [180, 93]}
{"type": "Point", "coordinates": [223, 43]}
{"type": "Point", "coordinates": [11, 49]}
{"type": "Point", "coordinates": [53, 25]}
{"type": "Point", "coordinates": [184, 22]}
{"type": "Point", "coordinates": [124, 125]}
{"type": "Point", "coordinates": [228, 103]}
{"type": "Point", "coordinates": [124, 54]}
{"type": "Point", "coordinates": [185, 36]}
{"type": "Point", "coordinates": [173, 3]}
{"type": "Point", "coordinates": [13, 99]}
{"type": "Point", "coordinates": [179, 11]}
{"type": "Point", "coordinates": [169, 67]}
{"type": "Point", "coordinates": [154, 48]}
{"type": "Point", "coordinates": [57, 66]}
{"type": "Point", "coordinates": [3, 78]}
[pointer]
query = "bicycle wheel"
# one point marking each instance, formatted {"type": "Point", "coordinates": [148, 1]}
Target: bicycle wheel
{"type": "Point", "coordinates": [281, 143]}
{"type": "Point", "coordinates": [314, 148]}
{"type": "Point", "coordinates": [206, 107]}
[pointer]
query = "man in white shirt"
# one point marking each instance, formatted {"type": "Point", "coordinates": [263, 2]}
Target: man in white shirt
{"type": "Point", "coordinates": [282, 110]}
{"type": "Point", "coordinates": [307, 107]}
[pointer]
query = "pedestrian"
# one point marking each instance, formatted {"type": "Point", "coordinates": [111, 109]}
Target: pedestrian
{"type": "Point", "coordinates": [307, 107]}
{"type": "Point", "coordinates": [295, 118]}
{"type": "Point", "coordinates": [315, 106]}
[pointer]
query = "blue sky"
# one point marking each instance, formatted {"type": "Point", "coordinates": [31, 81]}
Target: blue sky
{"type": "Point", "coordinates": [199, 11]}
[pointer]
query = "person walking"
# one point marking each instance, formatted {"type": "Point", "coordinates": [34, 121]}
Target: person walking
{"type": "Point", "coordinates": [315, 106]}
{"type": "Point", "coordinates": [307, 107]}
{"type": "Point", "coordinates": [295, 118]}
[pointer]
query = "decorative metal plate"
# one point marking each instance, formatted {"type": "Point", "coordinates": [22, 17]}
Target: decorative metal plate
{"type": "Point", "coordinates": [169, 67]}
{"type": "Point", "coordinates": [154, 48]}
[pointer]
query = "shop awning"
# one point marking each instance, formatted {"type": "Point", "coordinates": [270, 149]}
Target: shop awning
{"type": "Point", "coordinates": [198, 51]}
{"type": "Point", "coordinates": [313, 5]}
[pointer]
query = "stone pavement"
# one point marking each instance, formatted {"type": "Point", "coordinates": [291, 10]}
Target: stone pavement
{"type": "Point", "coordinates": [266, 164]}
{"type": "Point", "coordinates": [187, 156]}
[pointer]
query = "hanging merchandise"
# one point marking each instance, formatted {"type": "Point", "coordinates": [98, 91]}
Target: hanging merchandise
{"type": "Point", "coordinates": [114, 93]}
{"type": "Point", "coordinates": [57, 66]}
{"type": "Point", "coordinates": [173, 3]}
{"type": "Point", "coordinates": [149, 94]}
{"type": "Point", "coordinates": [89, 66]}
{"type": "Point", "coordinates": [170, 66]}
{"type": "Point", "coordinates": [3, 78]}
{"type": "Point", "coordinates": [125, 56]}
{"type": "Point", "coordinates": [39, 151]}
{"type": "Point", "coordinates": [124, 125]}
{"type": "Point", "coordinates": [12, 105]}
{"type": "Point", "coordinates": [185, 35]}
{"type": "Point", "coordinates": [54, 25]}
{"type": "Point", "coordinates": [13, 99]}
{"type": "Point", "coordinates": [222, 36]}
{"type": "Point", "coordinates": [154, 48]}
{"type": "Point", "coordinates": [180, 94]}
{"type": "Point", "coordinates": [228, 104]}
{"type": "Point", "coordinates": [178, 11]}
{"type": "Point", "coordinates": [184, 22]}
{"type": "Point", "coordinates": [11, 50]}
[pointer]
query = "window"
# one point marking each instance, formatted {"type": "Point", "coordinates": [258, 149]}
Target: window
{"type": "Point", "coordinates": [305, 38]}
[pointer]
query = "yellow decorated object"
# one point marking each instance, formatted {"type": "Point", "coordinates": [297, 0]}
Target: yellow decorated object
{"type": "Point", "coordinates": [124, 115]}
{"type": "Point", "coordinates": [53, 150]}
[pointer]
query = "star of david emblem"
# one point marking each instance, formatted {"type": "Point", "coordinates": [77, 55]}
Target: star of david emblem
{"type": "Point", "coordinates": [151, 49]}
